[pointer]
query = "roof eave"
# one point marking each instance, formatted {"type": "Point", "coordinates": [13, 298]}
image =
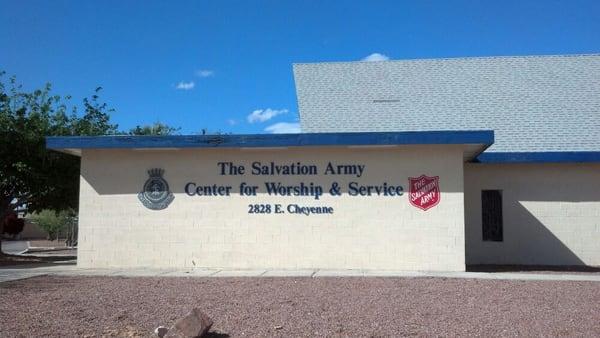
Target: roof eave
{"type": "Point", "coordinates": [74, 144]}
{"type": "Point", "coordinates": [539, 157]}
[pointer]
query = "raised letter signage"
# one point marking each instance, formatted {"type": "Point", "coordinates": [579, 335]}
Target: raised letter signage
{"type": "Point", "coordinates": [338, 179]}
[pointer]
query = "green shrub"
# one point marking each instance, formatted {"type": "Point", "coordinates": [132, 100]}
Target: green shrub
{"type": "Point", "coordinates": [54, 223]}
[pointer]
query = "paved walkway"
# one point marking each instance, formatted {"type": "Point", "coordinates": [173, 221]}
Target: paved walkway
{"type": "Point", "coordinates": [21, 272]}
{"type": "Point", "coordinates": [14, 247]}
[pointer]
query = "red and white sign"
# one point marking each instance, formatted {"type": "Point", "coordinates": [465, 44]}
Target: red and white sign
{"type": "Point", "coordinates": [424, 191]}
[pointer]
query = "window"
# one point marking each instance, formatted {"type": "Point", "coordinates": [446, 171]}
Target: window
{"type": "Point", "coordinates": [491, 212]}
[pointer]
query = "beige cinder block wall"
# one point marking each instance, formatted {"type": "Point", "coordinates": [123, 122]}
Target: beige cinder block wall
{"type": "Point", "coordinates": [371, 232]}
{"type": "Point", "coordinates": [551, 213]}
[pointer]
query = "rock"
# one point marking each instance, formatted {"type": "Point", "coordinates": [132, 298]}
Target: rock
{"type": "Point", "coordinates": [161, 331]}
{"type": "Point", "coordinates": [195, 324]}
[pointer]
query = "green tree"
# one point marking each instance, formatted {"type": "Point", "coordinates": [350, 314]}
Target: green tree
{"type": "Point", "coordinates": [157, 128]}
{"type": "Point", "coordinates": [31, 175]}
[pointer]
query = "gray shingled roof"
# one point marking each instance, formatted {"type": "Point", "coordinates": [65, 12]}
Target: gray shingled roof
{"type": "Point", "coordinates": [533, 103]}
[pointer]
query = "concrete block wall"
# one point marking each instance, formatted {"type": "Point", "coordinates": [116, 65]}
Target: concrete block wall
{"type": "Point", "coordinates": [551, 214]}
{"type": "Point", "coordinates": [371, 232]}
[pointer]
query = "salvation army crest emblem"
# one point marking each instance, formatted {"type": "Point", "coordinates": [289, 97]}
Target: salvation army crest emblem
{"type": "Point", "coordinates": [424, 191]}
{"type": "Point", "coordinates": [156, 194]}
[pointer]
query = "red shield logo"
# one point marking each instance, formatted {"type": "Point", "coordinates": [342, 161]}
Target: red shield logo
{"type": "Point", "coordinates": [424, 192]}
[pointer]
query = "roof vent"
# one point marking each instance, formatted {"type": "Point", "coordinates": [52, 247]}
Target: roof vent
{"type": "Point", "coordinates": [386, 100]}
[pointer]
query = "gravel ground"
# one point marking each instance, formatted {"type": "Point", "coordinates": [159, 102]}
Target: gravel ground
{"type": "Point", "coordinates": [52, 306]}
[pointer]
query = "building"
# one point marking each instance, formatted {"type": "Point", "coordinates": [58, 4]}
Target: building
{"type": "Point", "coordinates": [404, 165]}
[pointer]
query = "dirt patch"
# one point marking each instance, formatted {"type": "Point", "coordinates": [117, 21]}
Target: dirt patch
{"type": "Point", "coordinates": [66, 252]}
{"type": "Point", "coordinates": [115, 306]}
{"type": "Point", "coordinates": [21, 260]}
{"type": "Point", "coordinates": [545, 269]}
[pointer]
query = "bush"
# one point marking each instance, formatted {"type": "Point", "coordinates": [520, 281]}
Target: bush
{"type": "Point", "coordinates": [54, 223]}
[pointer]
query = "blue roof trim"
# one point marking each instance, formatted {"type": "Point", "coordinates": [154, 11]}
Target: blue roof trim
{"type": "Point", "coordinates": [540, 157]}
{"type": "Point", "coordinates": [484, 137]}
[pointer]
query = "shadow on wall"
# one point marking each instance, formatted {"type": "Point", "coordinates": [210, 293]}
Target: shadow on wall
{"type": "Point", "coordinates": [525, 268]}
{"type": "Point", "coordinates": [536, 243]}
{"type": "Point", "coordinates": [125, 172]}
{"type": "Point", "coordinates": [526, 241]}
{"type": "Point", "coordinates": [548, 215]}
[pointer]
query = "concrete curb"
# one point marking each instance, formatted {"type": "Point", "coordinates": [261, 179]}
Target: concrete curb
{"type": "Point", "coordinates": [8, 274]}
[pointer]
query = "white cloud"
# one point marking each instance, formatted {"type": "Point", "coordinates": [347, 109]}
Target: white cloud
{"type": "Point", "coordinates": [262, 115]}
{"type": "Point", "coordinates": [232, 122]}
{"type": "Point", "coordinates": [205, 73]}
{"type": "Point", "coordinates": [186, 85]}
{"type": "Point", "coordinates": [376, 57]}
{"type": "Point", "coordinates": [284, 128]}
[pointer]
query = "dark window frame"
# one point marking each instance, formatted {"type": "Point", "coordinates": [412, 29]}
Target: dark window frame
{"type": "Point", "coordinates": [492, 215]}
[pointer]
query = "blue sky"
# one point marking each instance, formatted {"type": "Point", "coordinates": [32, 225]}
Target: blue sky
{"type": "Point", "coordinates": [227, 65]}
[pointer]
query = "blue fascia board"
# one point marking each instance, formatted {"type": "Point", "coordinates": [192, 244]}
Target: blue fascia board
{"type": "Point", "coordinates": [483, 137]}
{"type": "Point", "coordinates": [539, 157]}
